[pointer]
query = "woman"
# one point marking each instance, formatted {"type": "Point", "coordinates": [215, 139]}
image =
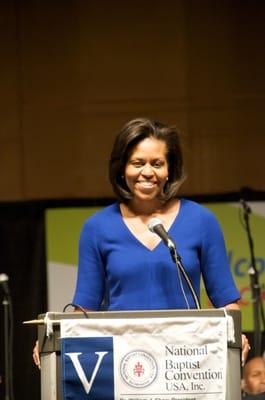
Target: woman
{"type": "Point", "coordinates": [117, 250]}
{"type": "Point", "coordinates": [118, 254]}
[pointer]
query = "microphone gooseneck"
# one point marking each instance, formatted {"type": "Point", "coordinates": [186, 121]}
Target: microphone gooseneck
{"type": "Point", "coordinates": [245, 206]}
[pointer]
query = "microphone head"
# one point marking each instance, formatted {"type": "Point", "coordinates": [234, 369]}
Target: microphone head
{"type": "Point", "coordinates": [3, 278]}
{"type": "Point", "coordinates": [245, 206]}
{"type": "Point", "coordinates": [153, 223]}
{"type": "Point", "coordinates": [4, 283]}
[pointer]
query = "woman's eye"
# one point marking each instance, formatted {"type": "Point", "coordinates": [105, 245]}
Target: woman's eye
{"type": "Point", "coordinates": [158, 164]}
{"type": "Point", "coordinates": [137, 164]}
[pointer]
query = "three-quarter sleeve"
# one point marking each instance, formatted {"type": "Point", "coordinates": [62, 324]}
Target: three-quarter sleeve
{"type": "Point", "coordinates": [218, 279]}
{"type": "Point", "coordinates": [90, 284]}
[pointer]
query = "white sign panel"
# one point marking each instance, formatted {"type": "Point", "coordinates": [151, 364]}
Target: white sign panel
{"type": "Point", "coordinates": [145, 359]}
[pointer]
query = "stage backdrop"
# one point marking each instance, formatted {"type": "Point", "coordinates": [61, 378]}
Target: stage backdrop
{"type": "Point", "coordinates": [63, 227]}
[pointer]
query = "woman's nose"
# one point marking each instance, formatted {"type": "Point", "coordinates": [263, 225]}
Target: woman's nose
{"type": "Point", "coordinates": [147, 170]}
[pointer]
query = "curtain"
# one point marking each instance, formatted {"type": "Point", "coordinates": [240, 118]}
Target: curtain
{"type": "Point", "coordinates": [22, 238]}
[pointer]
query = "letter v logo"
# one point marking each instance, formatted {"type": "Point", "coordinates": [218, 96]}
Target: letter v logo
{"type": "Point", "coordinates": [80, 372]}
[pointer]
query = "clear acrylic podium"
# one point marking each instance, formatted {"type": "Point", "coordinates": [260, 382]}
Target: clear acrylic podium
{"type": "Point", "coordinates": [50, 349]}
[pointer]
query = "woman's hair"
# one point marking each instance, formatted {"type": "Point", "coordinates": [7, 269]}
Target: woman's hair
{"type": "Point", "coordinates": [130, 135]}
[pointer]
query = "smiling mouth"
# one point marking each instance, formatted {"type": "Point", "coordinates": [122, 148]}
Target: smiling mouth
{"type": "Point", "coordinates": [146, 184]}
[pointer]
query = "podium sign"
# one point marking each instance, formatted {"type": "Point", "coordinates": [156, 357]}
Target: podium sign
{"type": "Point", "coordinates": [166, 355]}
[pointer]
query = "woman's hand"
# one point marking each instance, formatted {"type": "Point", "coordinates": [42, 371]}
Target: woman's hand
{"type": "Point", "coordinates": [245, 349]}
{"type": "Point", "coordinates": [245, 342]}
{"type": "Point", "coordinates": [36, 349]}
{"type": "Point", "coordinates": [36, 354]}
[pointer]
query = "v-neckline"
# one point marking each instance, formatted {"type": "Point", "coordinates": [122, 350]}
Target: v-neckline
{"type": "Point", "coordinates": [138, 240]}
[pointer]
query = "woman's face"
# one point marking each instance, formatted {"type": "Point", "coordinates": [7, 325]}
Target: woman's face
{"type": "Point", "coordinates": [146, 170]}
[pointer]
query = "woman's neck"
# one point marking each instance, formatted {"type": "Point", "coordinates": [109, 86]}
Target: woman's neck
{"type": "Point", "coordinates": [144, 207]}
{"type": "Point", "coordinates": [147, 208]}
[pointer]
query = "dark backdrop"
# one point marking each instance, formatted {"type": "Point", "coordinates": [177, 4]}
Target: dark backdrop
{"type": "Point", "coordinates": [22, 238]}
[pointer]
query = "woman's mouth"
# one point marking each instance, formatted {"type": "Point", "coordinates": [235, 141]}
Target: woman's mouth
{"type": "Point", "coordinates": [146, 184]}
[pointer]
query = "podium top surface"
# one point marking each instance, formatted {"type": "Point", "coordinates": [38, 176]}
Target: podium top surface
{"type": "Point", "coordinates": [56, 317]}
{"type": "Point", "coordinates": [212, 312]}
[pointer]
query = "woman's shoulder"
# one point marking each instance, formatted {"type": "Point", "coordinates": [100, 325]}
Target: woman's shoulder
{"type": "Point", "coordinates": [192, 207]}
{"type": "Point", "coordinates": [198, 215]}
{"type": "Point", "coordinates": [101, 222]}
{"type": "Point", "coordinates": [103, 216]}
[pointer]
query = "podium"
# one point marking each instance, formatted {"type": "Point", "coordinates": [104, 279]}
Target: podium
{"type": "Point", "coordinates": [50, 346]}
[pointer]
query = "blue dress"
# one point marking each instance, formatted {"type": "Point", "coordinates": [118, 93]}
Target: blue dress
{"type": "Point", "coordinates": [111, 258]}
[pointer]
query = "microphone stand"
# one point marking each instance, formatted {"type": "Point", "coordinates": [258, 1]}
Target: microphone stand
{"type": "Point", "coordinates": [8, 341]}
{"type": "Point", "coordinates": [177, 260]}
{"type": "Point", "coordinates": [6, 305]}
{"type": "Point", "coordinates": [254, 283]}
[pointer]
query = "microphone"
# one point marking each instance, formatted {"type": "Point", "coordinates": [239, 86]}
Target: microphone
{"type": "Point", "coordinates": [4, 283]}
{"type": "Point", "coordinates": [155, 225]}
{"type": "Point", "coordinates": [245, 206]}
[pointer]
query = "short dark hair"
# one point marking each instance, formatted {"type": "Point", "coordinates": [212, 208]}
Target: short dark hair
{"type": "Point", "coordinates": [130, 135]}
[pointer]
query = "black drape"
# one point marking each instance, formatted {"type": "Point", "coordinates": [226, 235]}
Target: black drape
{"type": "Point", "coordinates": [22, 238]}
{"type": "Point", "coordinates": [23, 259]}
